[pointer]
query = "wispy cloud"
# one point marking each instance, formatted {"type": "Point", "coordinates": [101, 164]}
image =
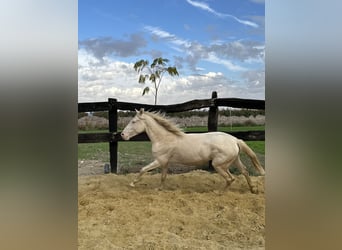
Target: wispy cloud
{"type": "Point", "coordinates": [166, 35]}
{"type": "Point", "coordinates": [206, 7]}
{"type": "Point", "coordinates": [228, 64]}
{"type": "Point", "coordinates": [245, 22]}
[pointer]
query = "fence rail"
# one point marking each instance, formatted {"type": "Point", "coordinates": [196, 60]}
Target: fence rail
{"type": "Point", "coordinates": [107, 136]}
{"type": "Point", "coordinates": [186, 106]}
{"type": "Point", "coordinates": [112, 106]}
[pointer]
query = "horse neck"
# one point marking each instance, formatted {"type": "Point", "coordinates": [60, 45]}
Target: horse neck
{"type": "Point", "coordinates": [156, 132]}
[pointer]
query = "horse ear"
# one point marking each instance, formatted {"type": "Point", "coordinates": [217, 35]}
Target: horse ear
{"type": "Point", "coordinates": [139, 112]}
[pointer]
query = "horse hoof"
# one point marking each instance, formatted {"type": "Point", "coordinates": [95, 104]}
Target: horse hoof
{"type": "Point", "coordinates": [132, 184]}
{"type": "Point", "coordinates": [262, 172]}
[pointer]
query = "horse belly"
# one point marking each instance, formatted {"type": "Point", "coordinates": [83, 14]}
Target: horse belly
{"type": "Point", "coordinates": [195, 154]}
{"type": "Point", "coordinates": [199, 149]}
{"type": "Point", "coordinates": [192, 159]}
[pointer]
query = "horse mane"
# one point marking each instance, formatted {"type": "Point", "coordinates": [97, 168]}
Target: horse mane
{"type": "Point", "coordinates": [165, 123]}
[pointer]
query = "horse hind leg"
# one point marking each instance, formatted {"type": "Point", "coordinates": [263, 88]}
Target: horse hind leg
{"type": "Point", "coordinates": [223, 170]}
{"type": "Point", "coordinates": [244, 171]}
{"type": "Point", "coordinates": [163, 177]}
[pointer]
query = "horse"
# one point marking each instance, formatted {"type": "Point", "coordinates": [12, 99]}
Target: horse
{"type": "Point", "coordinates": [171, 145]}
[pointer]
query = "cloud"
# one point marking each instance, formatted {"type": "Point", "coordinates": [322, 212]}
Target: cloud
{"type": "Point", "coordinates": [191, 52]}
{"type": "Point", "coordinates": [99, 81]}
{"type": "Point", "coordinates": [240, 50]}
{"type": "Point", "coordinates": [199, 86]}
{"type": "Point", "coordinates": [115, 79]}
{"type": "Point", "coordinates": [206, 7]}
{"type": "Point", "coordinates": [245, 22]}
{"type": "Point", "coordinates": [255, 82]}
{"type": "Point", "coordinates": [224, 53]}
{"type": "Point", "coordinates": [218, 52]}
{"type": "Point", "coordinates": [228, 64]}
{"type": "Point", "coordinates": [254, 78]}
{"type": "Point", "coordinates": [194, 53]}
{"type": "Point", "coordinates": [106, 46]}
{"type": "Point", "coordinates": [162, 34]}
{"type": "Point", "coordinates": [203, 6]}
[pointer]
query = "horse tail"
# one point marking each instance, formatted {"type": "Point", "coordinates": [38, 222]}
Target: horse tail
{"type": "Point", "coordinates": [246, 149]}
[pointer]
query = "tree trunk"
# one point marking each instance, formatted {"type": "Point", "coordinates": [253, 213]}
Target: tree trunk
{"type": "Point", "coordinates": [156, 97]}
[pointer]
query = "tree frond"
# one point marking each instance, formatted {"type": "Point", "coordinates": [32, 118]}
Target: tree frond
{"type": "Point", "coordinates": [153, 78]}
{"type": "Point", "coordinates": [146, 90]}
{"type": "Point", "coordinates": [159, 61]}
{"type": "Point", "coordinates": [140, 65]}
{"type": "Point", "coordinates": [142, 79]}
{"type": "Point", "coordinates": [172, 71]}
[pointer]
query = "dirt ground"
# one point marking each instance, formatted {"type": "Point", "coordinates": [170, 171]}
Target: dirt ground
{"type": "Point", "coordinates": [193, 212]}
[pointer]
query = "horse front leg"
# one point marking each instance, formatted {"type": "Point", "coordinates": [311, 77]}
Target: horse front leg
{"type": "Point", "coordinates": [163, 177]}
{"type": "Point", "coordinates": [152, 165]}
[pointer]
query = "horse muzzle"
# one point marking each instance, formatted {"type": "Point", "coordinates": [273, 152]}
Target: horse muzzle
{"type": "Point", "coordinates": [125, 136]}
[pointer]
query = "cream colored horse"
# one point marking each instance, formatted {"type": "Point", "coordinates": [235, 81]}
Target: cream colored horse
{"type": "Point", "coordinates": [171, 145]}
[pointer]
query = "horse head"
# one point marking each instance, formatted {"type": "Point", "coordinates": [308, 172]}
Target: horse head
{"type": "Point", "coordinates": [135, 126]}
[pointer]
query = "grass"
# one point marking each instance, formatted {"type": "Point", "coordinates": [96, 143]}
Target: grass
{"type": "Point", "coordinates": [194, 129]}
{"type": "Point", "coordinates": [93, 151]}
{"type": "Point", "coordinates": [257, 146]}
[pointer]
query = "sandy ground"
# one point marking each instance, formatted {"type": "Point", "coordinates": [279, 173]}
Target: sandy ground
{"type": "Point", "coordinates": [193, 212]}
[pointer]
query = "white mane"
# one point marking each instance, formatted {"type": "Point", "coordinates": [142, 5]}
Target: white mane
{"type": "Point", "coordinates": [165, 123]}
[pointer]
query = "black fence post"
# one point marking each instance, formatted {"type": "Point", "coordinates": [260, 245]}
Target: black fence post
{"type": "Point", "coordinates": [113, 126]}
{"type": "Point", "coordinates": [212, 121]}
{"type": "Point", "coordinates": [213, 114]}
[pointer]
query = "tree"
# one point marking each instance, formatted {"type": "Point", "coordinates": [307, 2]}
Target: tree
{"type": "Point", "coordinates": [155, 73]}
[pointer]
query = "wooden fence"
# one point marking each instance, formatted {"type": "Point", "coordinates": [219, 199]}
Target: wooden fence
{"type": "Point", "coordinates": [112, 106]}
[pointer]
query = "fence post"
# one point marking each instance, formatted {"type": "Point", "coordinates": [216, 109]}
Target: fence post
{"type": "Point", "coordinates": [212, 122]}
{"type": "Point", "coordinates": [213, 114]}
{"type": "Point", "coordinates": [113, 126]}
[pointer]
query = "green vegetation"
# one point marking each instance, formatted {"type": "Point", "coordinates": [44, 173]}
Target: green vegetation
{"type": "Point", "coordinates": [257, 146]}
{"type": "Point", "coordinates": [194, 129]}
{"type": "Point", "coordinates": [142, 150]}
{"type": "Point", "coordinates": [93, 151]}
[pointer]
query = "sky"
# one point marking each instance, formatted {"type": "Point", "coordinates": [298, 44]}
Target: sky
{"type": "Point", "coordinates": [216, 45]}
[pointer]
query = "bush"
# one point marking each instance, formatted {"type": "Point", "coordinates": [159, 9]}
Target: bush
{"type": "Point", "coordinates": [92, 122]}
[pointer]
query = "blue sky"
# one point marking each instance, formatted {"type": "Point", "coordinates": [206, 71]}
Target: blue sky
{"type": "Point", "coordinates": [215, 45]}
